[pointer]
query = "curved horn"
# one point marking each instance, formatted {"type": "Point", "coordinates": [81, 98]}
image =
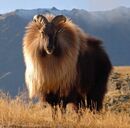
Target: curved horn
{"type": "Point", "coordinates": [40, 18]}
{"type": "Point", "coordinates": [58, 19]}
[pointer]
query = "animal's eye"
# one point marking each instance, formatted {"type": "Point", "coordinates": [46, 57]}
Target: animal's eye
{"type": "Point", "coordinates": [42, 32]}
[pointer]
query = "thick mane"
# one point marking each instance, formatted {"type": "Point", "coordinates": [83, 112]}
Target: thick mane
{"type": "Point", "coordinates": [50, 73]}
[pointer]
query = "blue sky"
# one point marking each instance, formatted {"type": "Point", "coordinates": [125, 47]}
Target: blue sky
{"type": "Point", "coordinates": [90, 5]}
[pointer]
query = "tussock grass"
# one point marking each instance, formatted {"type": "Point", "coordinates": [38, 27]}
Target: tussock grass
{"type": "Point", "coordinates": [19, 113]}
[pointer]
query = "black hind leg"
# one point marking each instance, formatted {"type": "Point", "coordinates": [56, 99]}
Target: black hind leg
{"type": "Point", "coordinates": [94, 102]}
{"type": "Point", "coordinates": [95, 98]}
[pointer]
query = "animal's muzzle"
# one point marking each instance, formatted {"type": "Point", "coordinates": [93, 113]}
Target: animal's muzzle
{"type": "Point", "coordinates": [50, 49]}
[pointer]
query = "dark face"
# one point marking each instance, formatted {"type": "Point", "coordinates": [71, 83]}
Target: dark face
{"type": "Point", "coordinates": [51, 33]}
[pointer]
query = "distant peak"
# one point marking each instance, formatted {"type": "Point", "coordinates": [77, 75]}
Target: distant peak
{"type": "Point", "coordinates": [121, 8]}
{"type": "Point", "coordinates": [19, 10]}
{"type": "Point", "coordinates": [54, 8]}
{"type": "Point", "coordinates": [74, 9]}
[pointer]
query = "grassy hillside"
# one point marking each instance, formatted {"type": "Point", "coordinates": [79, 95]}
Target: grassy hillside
{"type": "Point", "coordinates": [122, 69]}
{"type": "Point", "coordinates": [20, 112]}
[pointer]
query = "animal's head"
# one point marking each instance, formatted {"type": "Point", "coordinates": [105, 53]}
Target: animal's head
{"type": "Point", "coordinates": [51, 35]}
{"type": "Point", "coordinates": [50, 31]}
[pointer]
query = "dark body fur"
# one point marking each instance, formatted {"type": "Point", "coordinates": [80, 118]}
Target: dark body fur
{"type": "Point", "coordinates": [93, 69]}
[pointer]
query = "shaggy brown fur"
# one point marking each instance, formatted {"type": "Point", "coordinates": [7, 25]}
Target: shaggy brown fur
{"type": "Point", "coordinates": [78, 67]}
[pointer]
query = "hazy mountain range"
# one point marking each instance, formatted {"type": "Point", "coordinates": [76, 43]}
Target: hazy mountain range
{"type": "Point", "coordinates": [112, 26]}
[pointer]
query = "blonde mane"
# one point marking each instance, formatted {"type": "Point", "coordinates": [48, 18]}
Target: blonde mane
{"type": "Point", "coordinates": [50, 73]}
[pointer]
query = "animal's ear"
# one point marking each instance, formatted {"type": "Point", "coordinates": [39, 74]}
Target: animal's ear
{"type": "Point", "coordinates": [59, 19]}
{"type": "Point", "coordinates": [40, 18]}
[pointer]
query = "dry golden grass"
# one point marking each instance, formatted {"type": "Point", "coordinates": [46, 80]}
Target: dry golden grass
{"type": "Point", "coordinates": [18, 113]}
{"type": "Point", "coordinates": [122, 69]}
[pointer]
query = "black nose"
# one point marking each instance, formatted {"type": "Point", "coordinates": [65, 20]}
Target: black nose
{"type": "Point", "coordinates": [49, 47]}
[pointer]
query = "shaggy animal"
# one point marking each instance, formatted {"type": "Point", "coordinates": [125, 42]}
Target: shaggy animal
{"type": "Point", "coordinates": [63, 63]}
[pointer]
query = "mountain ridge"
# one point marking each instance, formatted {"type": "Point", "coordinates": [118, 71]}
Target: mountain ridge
{"type": "Point", "coordinates": [113, 27]}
